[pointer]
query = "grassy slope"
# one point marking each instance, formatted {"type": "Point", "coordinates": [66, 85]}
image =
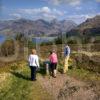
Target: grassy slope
{"type": "Point", "coordinates": [84, 75]}
{"type": "Point", "coordinates": [17, 86]}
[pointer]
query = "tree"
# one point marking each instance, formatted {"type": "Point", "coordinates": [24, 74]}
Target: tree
{"type": "Point", "coordinates": [58, 40]}
{"type": "Point", "coordinates": [8, 48]}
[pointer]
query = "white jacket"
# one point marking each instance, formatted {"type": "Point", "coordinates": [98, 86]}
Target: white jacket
{"type": "Point", "coordinates": [33, 60]}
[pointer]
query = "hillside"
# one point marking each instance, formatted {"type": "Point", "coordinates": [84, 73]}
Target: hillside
{"type": "Point", "coordinates": [37, 27]}
{"type": "Point", "coordinates": [90, 27]}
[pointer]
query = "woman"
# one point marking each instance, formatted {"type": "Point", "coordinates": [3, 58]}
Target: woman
{"type": "Point", "coordinates": [53, 60]}
{"type": "Point", "coordinates": [34, 64]}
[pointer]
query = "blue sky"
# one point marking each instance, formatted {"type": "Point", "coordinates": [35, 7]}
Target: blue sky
{"type": "Point", "coordinates": [76, 10]}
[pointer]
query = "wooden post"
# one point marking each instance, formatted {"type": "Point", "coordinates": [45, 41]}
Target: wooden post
{"type": "Point", "coordinates": [47, 68]}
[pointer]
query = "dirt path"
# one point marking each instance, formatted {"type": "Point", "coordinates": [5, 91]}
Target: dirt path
{"type": "Point", "coordinates": [53, 85]}
{"type": "Point", "coordinates": [67, 88]}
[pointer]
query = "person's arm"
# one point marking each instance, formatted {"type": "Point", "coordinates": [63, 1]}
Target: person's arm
{"type": "Point", "coordinates": [68, 50]}
{"type": "Point", "coordinates": [57, 57]}
{"type": "Point", "coordinates": [37, 62]}
{"type": "Point", "coordinates": [50, 58]}
{"type": "Point", "coordinates": [29, 60]}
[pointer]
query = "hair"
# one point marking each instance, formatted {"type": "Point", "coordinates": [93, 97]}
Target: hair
{"type": "Point", "coordinates": [54, 51]}
{"type": "Point", "coordinates": [50, 52]}
{"type": "Point", "coordinates": [33, 51]}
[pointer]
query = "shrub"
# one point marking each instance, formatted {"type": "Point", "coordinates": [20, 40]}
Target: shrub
{"type": "Point", "coordinates": [8, 48]}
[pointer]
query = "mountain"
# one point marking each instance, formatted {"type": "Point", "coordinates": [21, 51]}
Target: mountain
{"type": "Point", "coordinates": [91, 27]}
{"type": "Point", "coordinates": [37, 27]}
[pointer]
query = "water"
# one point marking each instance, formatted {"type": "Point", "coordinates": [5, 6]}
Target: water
{"type": "Point", "coordinates": [42, 39]}
{"type": "Point", "coordinates": [2, 38]}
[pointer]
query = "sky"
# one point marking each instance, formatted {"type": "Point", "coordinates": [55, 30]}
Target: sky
{"type": "Point", "coordinates": [75, 10]}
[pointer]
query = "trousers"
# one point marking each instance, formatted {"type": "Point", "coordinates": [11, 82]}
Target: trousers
{"type": "Point", "coordinates": [66, 64]}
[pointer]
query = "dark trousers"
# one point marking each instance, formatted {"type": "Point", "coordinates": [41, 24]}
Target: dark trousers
{"type": "Point", "coordinates": [53, 66]}
{"type": "Point", "coordinates": [33, 72]}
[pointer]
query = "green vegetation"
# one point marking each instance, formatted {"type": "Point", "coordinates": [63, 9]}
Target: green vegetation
{"type": "Point", "coordinates": [84, 74]}
{"type": "Point", "coordinates": [31, 44]}
{"type": "Point", "coordinates": [58, 40]}
{"type": "Point", "coordinates": [17, 86]}
{"type": "Point", "coordinates": [78, 72]}
{"type": "Point", "coordinates": [46, 43]}
{"type": "Point", "coordinates": [7, 48]}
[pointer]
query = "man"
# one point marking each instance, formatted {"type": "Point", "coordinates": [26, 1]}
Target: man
{"type": "Point", "coordinates": [66, 58]}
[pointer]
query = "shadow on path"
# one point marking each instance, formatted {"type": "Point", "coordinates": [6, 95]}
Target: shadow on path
{"type": "Point", "coordinates": [42, 69]}
{"type": "Point", "coordinates": [20, 75]}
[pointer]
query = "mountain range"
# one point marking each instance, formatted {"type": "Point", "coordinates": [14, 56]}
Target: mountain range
{"type": "Point", "coordinates": [36, 28]}
{"type": "Point", "coordinates": [91, 27]}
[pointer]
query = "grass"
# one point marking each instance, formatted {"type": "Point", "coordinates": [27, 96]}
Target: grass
{"type": "Point", "coordinates": [78, 72]}
{"type": "Point", "coordinates": [83, 74]}
{"type": "Point", "coordinates": [11, 66]}
{"type": "Point", "coordinates": [17, 86]}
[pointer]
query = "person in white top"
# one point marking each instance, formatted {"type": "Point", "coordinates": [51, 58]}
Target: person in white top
{"type": "Point", "coordinates": [34, 64]}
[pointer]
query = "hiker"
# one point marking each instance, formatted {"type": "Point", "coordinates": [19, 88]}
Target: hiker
{"type": "Point", "coordinates": [53, 63]}
{"type": "Point", "coordinates": [34, 64]}
{"type": "Point", "coordinates": [66, 58]}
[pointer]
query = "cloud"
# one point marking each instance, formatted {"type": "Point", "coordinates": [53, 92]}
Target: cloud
{"type": "Point", "coordinates": [29, 11]}
{"type": "Point", "coordinates": [15, 15]}
{"type": "Point", "coordinates": [35, 10]}
{"type": "Point", "coordinates": [44, 12]}
{"type": "Point", "coordinates": [80, 18]}
{"type": "Point", "coordinates": [68, 2]}
{"type": "Point", "coordinates": [2, 7]}
{"type": "Point", "coordinates": [98, 1]}
{"type": "Point", "coordinates": [41, 10]}
{"type": "Point", "coordinates": [78, 8]}
{"type": "Point", "coordinates": [48, 17]}
{"type": "Point", "coordinates": [54, 2]}
{"type": "Point", "coordinates": [57, 12]}
{"type": "Point", "coordinates": [74, 2]}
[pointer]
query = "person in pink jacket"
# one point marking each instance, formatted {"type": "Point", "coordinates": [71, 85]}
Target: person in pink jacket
{"type": "Point", "coordinates": [53, 63]}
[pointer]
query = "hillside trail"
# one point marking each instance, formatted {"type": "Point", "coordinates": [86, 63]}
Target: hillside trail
{"type": "Point", "coordinates": [64, 87]}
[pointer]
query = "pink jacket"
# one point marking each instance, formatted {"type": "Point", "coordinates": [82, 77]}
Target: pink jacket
{"type": "Point", "coordinates": [53, 58]}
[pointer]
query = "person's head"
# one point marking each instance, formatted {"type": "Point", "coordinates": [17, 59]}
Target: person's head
{"type": "Point", "coordinates": [66, 45]}
{"type": "Point", "coordinates": [53, 51]}
{"type": "Point", "coordinates": [33, 51]}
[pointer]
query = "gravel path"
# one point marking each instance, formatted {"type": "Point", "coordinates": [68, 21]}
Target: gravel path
{"type": "Point", "coordinates": [67, 88]}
